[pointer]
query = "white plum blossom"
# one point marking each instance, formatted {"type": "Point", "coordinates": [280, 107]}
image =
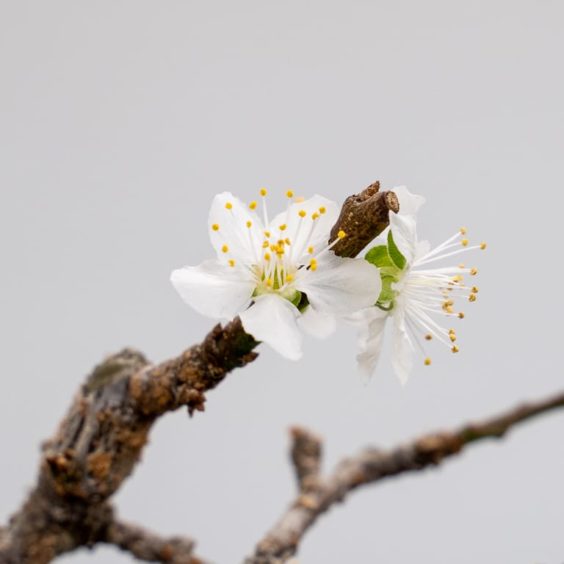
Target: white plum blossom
{"type": "Point", "coordinates": [279, 276]}
{"type": "Point", "coordinates": [413, 292]}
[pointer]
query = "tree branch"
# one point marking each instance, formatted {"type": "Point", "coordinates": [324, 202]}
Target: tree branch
{"type": "Point", "coordinates": [149, 547]}
{"type": "Point", "coordinates": [101, 438]}
{"type": "Point", "coordinates": [373, 465]}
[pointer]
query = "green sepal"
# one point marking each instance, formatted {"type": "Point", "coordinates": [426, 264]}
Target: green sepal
{"type": "Point", "coordinates": [378, 256]}
{"type": "Point", "coordinates": [395, 254]}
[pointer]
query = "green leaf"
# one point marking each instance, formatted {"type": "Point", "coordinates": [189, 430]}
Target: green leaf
{"type": "Point", "coordinates": [378, 256]}
{"type": "Point", "coordinates": [395, 254]}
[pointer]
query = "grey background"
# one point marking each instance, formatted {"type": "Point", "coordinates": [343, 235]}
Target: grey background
{"type": "Point", "coordinates": [120, 120]}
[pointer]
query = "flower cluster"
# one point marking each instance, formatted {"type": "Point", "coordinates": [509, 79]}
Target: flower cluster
{"type": "Point", "coordinates": [282, 278]}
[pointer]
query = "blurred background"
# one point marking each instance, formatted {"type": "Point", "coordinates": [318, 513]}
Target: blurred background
{"type": "Point", "coordinates": [119, 121]}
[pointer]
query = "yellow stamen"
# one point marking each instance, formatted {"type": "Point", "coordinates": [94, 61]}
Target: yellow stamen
{"type": "Point", "coordinates": [341, 234]}
{"type": "Point", "coordinates": [215, 226]}
{"type": "Point", "coordinates": [461, 265]}
{"type": "Point", "coordinates": [269, 281]}
{"type": "Point", "coordinates": [472, 298]}
{"type": "Point", "coordinates": [454, 349]}
{"type": "Point", "coordinates": [231, 262]}
{"type": "Point", "coordinates": [289, 194]}
{"type": "Point", "coordinates": [322, 209]}
{"type": "Point", "coordinates": [302, 213]}
{"type": "Point", "coordinates": [283, 227]}
{"type": "Point", "coordinates": [228, 205]}
{"type": "Point", "coordinates": [265, 245]}
{"type": "Point", "coordinates": [287, 241]}
{"type": "Point", "coordinates": [266, 256]}
{"type": "Point", "coordinates": [460, 315]}
{"type": "Point", "coordinates": [289, 278]}
{"type": "Point", "coordinates": [263, 192]}
{"type": "Point", "coordinates": [428, 336]}
{"type": "Point", "coordinates": [249, 224]}
{"type": "Point", "coordinates": [452, 337]}
{"type": "Point", "coordinates": [313, 264]}
{"type": "Point", "coordinates": [224, 249]}
{"type": "Point", "coordinates": [483, 246]}
{"type": "Point", "coordinates": [463, 230]}
{"type": "Point", "coordinates": [427, 362]}
{"type": "Point", "coordinates": [314, 216]}
{"type": "Point", "coordinates": [475, 289]}
{"type": "Point", "coordinates": [253, 205]}
{"type": "Point", "coordinates": [464, 242]}
{"type": "Point", "coordinates": [267, 234]}
{"type": "Point", "coordinates": [310, 250]}
{"type": "Point", "coordinates": [473, 271]}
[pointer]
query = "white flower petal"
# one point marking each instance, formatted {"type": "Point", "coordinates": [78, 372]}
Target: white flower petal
{"type": "Point", "coordinates": [402, 348]}
{"type": "Point", "coordinates": [243, 243]}
{"type": "Point", "coordinates": [404, 231]}
{"type": "Point", "coordinates": [213, 289]}
{"type": "Point", "coordinates": [409, 203]}
{"type": "Point", "coordinates": [340, 285]}
{"type": "Point", "coordinates": [305, 232]}
{"type": "Point", "coordinates": [371, 323]}
{"type": "Point", "coordinates": [272, 319]}
{"type": "Point", "coordinates": [317, 324]}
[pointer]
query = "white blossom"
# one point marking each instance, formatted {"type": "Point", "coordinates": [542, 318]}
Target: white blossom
{"type": "Point", "coordinates": [279, 276]}
{"type": "Point", "coordinates": [414, 294]}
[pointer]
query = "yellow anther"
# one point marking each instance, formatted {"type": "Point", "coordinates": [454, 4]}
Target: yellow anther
{"type": "Point", "coordinates": [341, 234]}
{"type": "Point", "coordinates": [463, 230]}
{"type": "Point", "coordinates": [302, 213]}
{"type": "Point", "coordinates": [228, 205]}
{"type": "Point", "coordinates": [464, 242]}
{"type": "Point", "coordinates": [231, 262]}
{"type": "Point", "coordinates": [427, 362]}
{"type": "Point", "coordinates": [483, 246]}
{"type": "Point", "coordinates": [289, 278]}
{"type": "Point", "coordinates": [460, 315]}
{"type": "Point", "coordinates": [310, 250]}
{"type": "Point", "coordinates": [283, 227]}
{"type": "Point", "coordinates": [225, 249]}
{"type": "Point", "coordinates": [287, 241]}
{"type": "Point", "coordinates": [263, 192]}
{"type": "Point", "coordinates": [266, 256]}
{"type": "Point", "coordinates": [452, 337]}
{"type": "Point", "coordinates": [461, 265]}
{"type": "Point", "coordinates": [215, 226]}
{"type": "Point", "coordinates": [322, 209]}
{"type": "Point", "coordinates": [449, 309]}
{"type": "Point", "coordinates": [475, 289]}
{"type": "Point", "coordinates": [249, 224]}
{"type": "Point", "coordinates": [253, 205]}
{"type": "Point", "coordinates": [265, 245]}
{"type": "Point", "coordinates": [314, 216]}
{"type": "Point", "coordinates": [457, 278]}
{"type": "Point", "coordinates": [269, 281]}
{"type": "Point", "coordinates": [313, 264]}
{"type": "Point", "coordinates": [472, 298]}
{"type": "Point", "coordinates": [267, 234]}
{"type": "Point", "coordinates": [454, 349]}
{"type": "Point", "coordinates": [289, 194]}
{"type": "Point", "coordinates": [473, 271]}
{"type": "Point", "coordinates": [428, 336]}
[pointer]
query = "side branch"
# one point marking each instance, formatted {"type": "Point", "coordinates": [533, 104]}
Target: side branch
{"type": "Point", "coordinates": [149, 547]}
{"type": "Point", "coordinates": [373, 465]}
